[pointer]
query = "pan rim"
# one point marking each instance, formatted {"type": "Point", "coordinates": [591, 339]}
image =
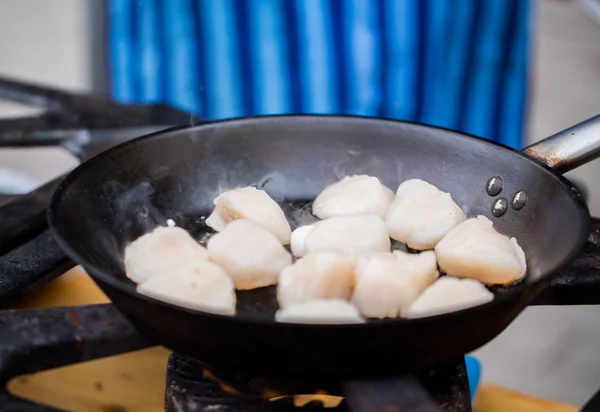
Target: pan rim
{"type": "Point", "coordinates": [96, 273]}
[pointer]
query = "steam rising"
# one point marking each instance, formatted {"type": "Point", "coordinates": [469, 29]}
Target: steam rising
{"type": "Point", "coordinates": [135, 210]}
{"type": "Point", "coordinates": [388, 167]}
{"type": "Point", "coordinates": [132, 214]}
{"type": "Point", "coordinates": [293, 183]}
{"type": "Point", "coordinates": [299, 214]}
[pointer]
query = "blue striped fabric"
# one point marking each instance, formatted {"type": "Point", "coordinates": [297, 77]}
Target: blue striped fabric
{"type": "Point", "coordinates": [460, 64]}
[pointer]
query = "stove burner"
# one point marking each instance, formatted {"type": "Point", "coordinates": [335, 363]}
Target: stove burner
{"type": "Point", "coordinates": [36, 340]}
{"type": "Point", "coordinates": [192, 386]}
{"type": "Point", "coordinates": [189, 388]}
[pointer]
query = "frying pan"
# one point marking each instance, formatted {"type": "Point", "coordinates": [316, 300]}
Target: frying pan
{"type": "Point", "coordinates": [126, 191]}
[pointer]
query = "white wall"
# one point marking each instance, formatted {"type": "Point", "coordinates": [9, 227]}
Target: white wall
{"type": "Point", "coordinates": [49, 42]}
{"type": "Point", "coordinates": [566, 84]}
{"type": "Point", "coordinates": [551, 352]}
{"type": "Point", "coordinates": [555, 351]}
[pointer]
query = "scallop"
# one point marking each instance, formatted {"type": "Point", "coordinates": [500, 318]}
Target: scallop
{"type": "Point", "coordinates": [325, 311]}
{"type": "Point", "coordinates": [251, 255]}
{"type": "Point", "coordinates": [252, 204]}
{"type": "Point", "coordinates": [449, 294]}
{"type": "Point", "coordinates": [388, 283]}
{"type": "Point", "coordinates": [474, 249]}
{"type": "Point", "coordinates": [202, 286]}
{"type": "Point", "coordinates": [319, 275]}
{"type": "Point", "coordinates": [422, 214]}
{"type": "Point", "coordinates": [354, 195]}
{"type": "Point", "coordinates": [356, 234]}
{"type": "Point", "coordinates": [298, 239]}
{"type": "Point", "coordinates": [162, 251]}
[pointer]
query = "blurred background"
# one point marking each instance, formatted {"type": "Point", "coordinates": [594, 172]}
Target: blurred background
{"type": "Point", "coordinates": [550, 79]}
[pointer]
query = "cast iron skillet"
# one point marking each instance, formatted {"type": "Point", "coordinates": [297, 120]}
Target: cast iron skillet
{"type": "Point", "coordinates": [111, 199]}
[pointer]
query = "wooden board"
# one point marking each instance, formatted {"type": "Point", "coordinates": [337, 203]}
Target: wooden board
{"type": "Point", "coordinates": [136, 381]}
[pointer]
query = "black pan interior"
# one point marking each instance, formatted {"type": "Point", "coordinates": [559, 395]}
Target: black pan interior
{"type": "Point", "coordinates": [126, 192]}
{"type": "Point", "coordinates": [115, 197]}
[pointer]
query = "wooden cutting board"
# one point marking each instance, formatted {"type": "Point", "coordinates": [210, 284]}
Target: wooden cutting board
{"type": "Point", "coordinates": [136, 381]}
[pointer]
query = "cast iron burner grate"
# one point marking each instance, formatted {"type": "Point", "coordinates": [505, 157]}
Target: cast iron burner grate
{"type": "Point", "coordinates": [36, 340]}
{"type": "Point", "coordinates": [41, 339]}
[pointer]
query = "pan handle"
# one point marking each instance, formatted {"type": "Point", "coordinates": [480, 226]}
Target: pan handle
{"type": "Point", "coordinates": [569, 149]}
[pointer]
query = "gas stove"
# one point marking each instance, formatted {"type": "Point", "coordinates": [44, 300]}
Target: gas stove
{"type": "Point", "coordinates": [41, 339]}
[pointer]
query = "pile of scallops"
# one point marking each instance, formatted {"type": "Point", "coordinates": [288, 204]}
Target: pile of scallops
{"type": "Point", "coordinates": [344, 268]}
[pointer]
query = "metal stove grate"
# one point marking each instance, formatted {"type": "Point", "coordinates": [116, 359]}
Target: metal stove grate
{"type": "Point", "coordinates": [35, 340]}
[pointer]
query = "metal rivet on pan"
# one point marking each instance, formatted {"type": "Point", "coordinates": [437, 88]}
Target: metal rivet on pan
{"type": "Point", "coordinates": [499, 207]}
{"type": "Point", "coordinates": [519, 200]}
{"type": "Point", "coordinates": [494, 186]}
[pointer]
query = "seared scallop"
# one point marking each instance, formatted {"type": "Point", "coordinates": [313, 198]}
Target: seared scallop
{"type": "Point", "coordinates": [422, 214]}
{"type": "Point", "coordinates": [251, 255]}
{"type": "Point", "coordinates": [252, 204]}
{"type": "Point", "coordinates": [474, 249]}
{"type": "Point", "coordinates": [388, 283]}
{"type": "Point", "coordinates": [331, 311]}
{"type": "Point", "coordinates": [357, 234]}
{"type": "Point", "coordinates": [161, 252]}
{"type": "Point", "coordinates": [298, 239]}
{"type": "Point", "coordinates": [354, 195]}
{"type": "Point", "coordinates": [449, 294]}
{"type": "Point", "coordinates": [318, 275]}
{"type": "Point", "coordinates": [201, 286]}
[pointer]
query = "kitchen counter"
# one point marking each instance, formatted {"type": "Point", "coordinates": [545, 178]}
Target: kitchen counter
{"type": "Point", "coordinates": [136, 381]}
